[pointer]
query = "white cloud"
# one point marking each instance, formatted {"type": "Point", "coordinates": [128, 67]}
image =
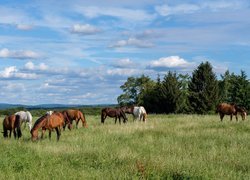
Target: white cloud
{"type": "Point", "coordinates": [121, 13]}
{"type": "Point", "coordinates": [13, 73]}
{"type": "Point", "coordinates": [124, 63]}
{"type": "Point", "coordinates": [170, 62]}
{"type": "Point", "coordinates": [166, 10]}
{"type": "Point", "coordinates": [132, 42]}
{"type": "Point", "coordinates": [24, 27]}
{"type": "Point", "coordinates": [84, 29]}
{"type": "Point", "coordinates": [23, 54]}
{"type": "Point", "coordinates": [31, 66]}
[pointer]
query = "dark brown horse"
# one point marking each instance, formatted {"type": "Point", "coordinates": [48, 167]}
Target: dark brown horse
{"type": "Point", "coordinates": [74, 115]}
{"type": "Point", "coordinates": [114, 113]}
{"type": "Point", "coordinates": [230, 109]}
{"type": "Point", "coordinates": [54, 121]}
{"type": "Point", "coordinates": [12, 123]}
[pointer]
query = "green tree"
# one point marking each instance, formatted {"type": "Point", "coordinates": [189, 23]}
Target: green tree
{"type": "Point", "coordinates": [134, 89]}
{"type": "Point", "coordinates": [224, 87]}
{"type": "Point", "coordinates": [239, 90]}
{"type": "Point", "coordinates": [203, 89]}
{"type": "Point", "coordinates": [170, 92]}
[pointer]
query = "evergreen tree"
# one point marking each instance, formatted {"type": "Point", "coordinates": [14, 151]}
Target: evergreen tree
{"type": "Point", "coordinates": [239, 89]}
{"type": "Point", "coordinates": [224, 86]}
{"type": "Point", "coordinates": [170, 93]}
{"type": "Point", "coordinates": [203, 89]}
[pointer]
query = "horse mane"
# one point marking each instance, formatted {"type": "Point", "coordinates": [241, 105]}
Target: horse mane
{"type": "Point", "coordinates": [39, 120]}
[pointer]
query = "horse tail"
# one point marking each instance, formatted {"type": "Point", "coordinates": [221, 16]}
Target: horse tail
{"type": "Point", "coordinates": [83, 119]}
{"type": "Point", "coordinates": [18, 126]}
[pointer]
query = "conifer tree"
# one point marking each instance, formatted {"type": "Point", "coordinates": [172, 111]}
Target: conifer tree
{"type": "Point", "coordinates": [203, 89]}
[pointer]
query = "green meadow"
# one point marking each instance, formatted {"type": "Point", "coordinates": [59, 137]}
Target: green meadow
{"type": "Point", "coordinates": [165, 147]}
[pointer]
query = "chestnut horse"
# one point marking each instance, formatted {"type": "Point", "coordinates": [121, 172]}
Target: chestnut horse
{"type": "Point", "coordinates": [74, 115]}
{"type": "Point", "coordinates": [12, 123]}
{"type": "Point", "coordinates": [54, 121]}
{"type": "Point", "coordinates": [230, 109]}
{"type": "Point", "coordinates": [114, 113]}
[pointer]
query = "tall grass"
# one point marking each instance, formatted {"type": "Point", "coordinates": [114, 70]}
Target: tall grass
{"type": "Point", "coordinates": [166, 147]}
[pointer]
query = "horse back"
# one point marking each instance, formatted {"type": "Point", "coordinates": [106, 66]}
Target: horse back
{"type": "Point", "coordinates": [226, 108]}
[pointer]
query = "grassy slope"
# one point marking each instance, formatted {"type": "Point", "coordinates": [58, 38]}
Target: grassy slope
{"type": "Point", "coordinates": [167, 146]}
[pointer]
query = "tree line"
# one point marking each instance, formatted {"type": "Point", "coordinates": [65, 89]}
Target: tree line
{"type": "Point", "coordinates": [197, 93]}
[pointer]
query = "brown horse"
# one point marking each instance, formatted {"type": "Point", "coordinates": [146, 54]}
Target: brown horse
{"type": "Point", "coordinates": [50, 122]}
{"type": "Point", "coordinates": [12, 123]}
{"type": "Point", "coordinates": [230, 109]}
{"type": "Point", "coordinates": [114, 113]}
{"type": "Point", "coordinates": [74, 115]}
{"type": "Point", "coordinates": [243, 112]}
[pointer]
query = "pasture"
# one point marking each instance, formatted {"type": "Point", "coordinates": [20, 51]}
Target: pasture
{"type": "Point", "coordinates": [166, 147]}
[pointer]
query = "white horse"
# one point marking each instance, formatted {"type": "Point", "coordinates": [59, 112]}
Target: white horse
{"type": "Point", "coordinates": [49, 112]}
{"type": "Point", "coordinates": [140, 113]}
{"type": "Point", "coordinates": [25, 117]}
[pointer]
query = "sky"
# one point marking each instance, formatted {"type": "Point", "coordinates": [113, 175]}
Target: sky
{"type": "Point", "coordinates": [81, 52]}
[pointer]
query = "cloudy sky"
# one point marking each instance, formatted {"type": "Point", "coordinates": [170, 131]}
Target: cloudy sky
{"type": "Point", "coordinates": [80, 52]}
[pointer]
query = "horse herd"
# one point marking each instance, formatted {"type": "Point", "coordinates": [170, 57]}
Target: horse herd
{"type": "Point", "coordinates": [55, 120]}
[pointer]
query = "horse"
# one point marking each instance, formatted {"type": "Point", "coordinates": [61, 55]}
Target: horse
{"type": "Point", "coordinates": [25, 117]}
{"type": "Point", "coordinates": [54, 121]}
{"type": "Point", "coordinates": [12, 123]}
{"type": "Point", "coordinates": [138, 112]}
{"type": "Point", "coordinates": [74, 115]}
{"type": "Point", "coordinates": [243, 112]}
{"type": "Point", "coordinates": [113, 113]}
{"type": "Point", "coordinates": [230, 109]}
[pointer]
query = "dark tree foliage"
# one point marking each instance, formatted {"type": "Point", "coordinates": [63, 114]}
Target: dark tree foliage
{"type": "Point", "coordinates": [180, 93]}
{"type": "Point", "coordinates": [224, 87]}
{"type": "Point", "coordinates": [134, 90]}
{"type": "Point", "coordinates": [203, 89]}
{"type": "Point", "coordinates": [239, 90]}
{"type": "Point", "coordinates": [170, 93]}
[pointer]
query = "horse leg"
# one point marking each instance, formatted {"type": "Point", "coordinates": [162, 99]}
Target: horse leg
{"type": "Point", "coordinates": [221, 116]}
{"type": "Point", "coordinates": [14, 131]}
{"type": "Point", "coordinates": [49, 134]}
{"type": "Point", "coordinates": [119, 120]}
{"type": "Point", "coordinates": [77, 121]}
{"type": "Point", "coordinates": [236, 117]}
{"type": "Point", "coordinates": [58, 133]}
{"type": "Point", "coordinates": [43, 132]}
{"type": "Point", "coordinates": [10, 133]}
{"type": "Point", "coordinates": [115, 119]}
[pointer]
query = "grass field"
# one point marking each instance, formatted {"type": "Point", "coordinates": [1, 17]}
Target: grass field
{"type": "Point", "coordinates": [166, 147]}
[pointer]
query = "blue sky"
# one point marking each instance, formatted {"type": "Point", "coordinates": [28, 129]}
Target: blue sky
{"type": "Point", "coordinates": [77, 52]}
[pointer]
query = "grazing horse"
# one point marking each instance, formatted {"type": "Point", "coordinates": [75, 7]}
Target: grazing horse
{"type": "Point", "coordinates": [76, 115]}
{"type": "Point", "coordinates": [243, 112]}
{"type": "Point", "coordinates": [54, 121]}
{"type": "Point", "coordinates": [25, 117]}
{"type": "Point", "coordinates": [114, 113]}
{"type": "Point", "coordinates": [12, 123]}
{"type": "Point", "coordinates": [230, 109]}
{"type": "Point", "coordinates": [138, 112]}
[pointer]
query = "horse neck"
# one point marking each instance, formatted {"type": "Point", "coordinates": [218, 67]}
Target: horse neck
{"type": "Point", "coordinates": [40, 123]}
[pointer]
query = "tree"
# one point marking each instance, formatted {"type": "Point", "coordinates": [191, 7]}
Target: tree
{"type": "Point", "coordinates": [170, 93]}
{"type": "Point", "coordinates": [239, 90]}
{"type": "Point", "coordinates": [203, 89]}
{"type": "Point", "coordinates": [134, 90]}
{"type": "Point", "coordinates": [224, 87]}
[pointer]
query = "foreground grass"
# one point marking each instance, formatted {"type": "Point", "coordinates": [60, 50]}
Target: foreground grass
{"type": "Point", "coordinates": [166, 147]}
